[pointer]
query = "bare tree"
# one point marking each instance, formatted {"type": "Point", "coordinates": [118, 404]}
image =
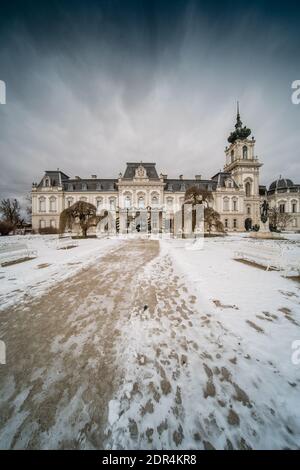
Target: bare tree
{"type": "Point", "coordinates": [279, 220]}
{"type": "Point", "coordinates": [11, 212]}
{"type": "Point", "coordinates": [82, 213]}
{"type": "Point", "coordinates": [28, 208]}
{"type": "Point", "coordinates": [212, 220]}
{"type": "Point", "coordinates": [195, 195]}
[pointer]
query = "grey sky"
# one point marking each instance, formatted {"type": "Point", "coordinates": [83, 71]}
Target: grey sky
{"type": "Point", "coordinates": [93, 88]}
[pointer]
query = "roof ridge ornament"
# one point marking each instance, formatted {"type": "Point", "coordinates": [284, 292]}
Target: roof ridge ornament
{"type": "Point", "coordinates": [240, 133]}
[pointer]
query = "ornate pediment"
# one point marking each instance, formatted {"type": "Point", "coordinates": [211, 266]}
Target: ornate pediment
{"type": "Point", "coordinates": [140, 172]}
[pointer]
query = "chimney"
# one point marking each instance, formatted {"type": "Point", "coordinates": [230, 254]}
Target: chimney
{"type": "Point", "coordinates": [77, 177]}
{"type": "Point", "coordinates": [94, 177]}
{"type": "Point", "coordinates": [198, 177]}
{"type": "Point", "coordinates": [181, 177]}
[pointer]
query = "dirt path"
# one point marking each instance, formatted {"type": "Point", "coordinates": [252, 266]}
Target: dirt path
{"type": "Point", "coordinates": [61, 359]}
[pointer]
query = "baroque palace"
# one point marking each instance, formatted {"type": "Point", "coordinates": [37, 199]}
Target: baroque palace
{"type": "Point", "coordinates": [236, 191]}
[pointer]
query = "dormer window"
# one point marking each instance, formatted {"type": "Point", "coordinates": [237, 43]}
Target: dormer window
{"type": "Point", "coordinates": [47, 182]}
{"type": "Point", "coordinates": [84, 186]}
{"type": "Point", "coordinates": [98, 187]}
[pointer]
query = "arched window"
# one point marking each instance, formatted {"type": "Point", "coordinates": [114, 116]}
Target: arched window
{"type": "Point", "coordinates": [226, 204]}
{"type": "Point", "coordinates": [248, 189]}
{"type": "Point", "coordinates": [294, 207]}
{"type": "Point", "coordinates": [52, 204]}
{"type": "Point", "coordinates": [47, 182]}
{"type": "Point", "coordinates": [169, 201]}
{"type": "Point", "coordinates": [42, 204]}
{"type": "Point", "coordinates": [84, 186]}
{"type": "Point", "coordinates": [141, 202]}
{"type": "Point", "coordinates": [69, 201]}
{"type": "Point", "coordinates": [127, 202]}
{"type": "Point", "coordinates": [234, 204]}
{"type": "Point", "coordinates": [248, 210]}
{"type": "Point", "coordinates": [232, 155]}
{"type": "Point", "coordinates": [99, 201]}
{"type": "Point", "coordinates": [112, 203]}
{"type": "Point", "coordinates": [154, 199]}
{"type": "Point", "coordinates": [282, 208]}
{"type": "Point", "coordinates": [245, 152]}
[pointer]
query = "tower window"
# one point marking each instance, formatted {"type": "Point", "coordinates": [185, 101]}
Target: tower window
{"type": "Point", "coordinates": [232, 155]}
{"type": "Point", "coordinates": [248, 189]}
{"type": "Point", "coordinates": [245, 152]}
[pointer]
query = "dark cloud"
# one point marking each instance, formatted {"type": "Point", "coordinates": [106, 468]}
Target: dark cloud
{"type": "Point", "coordinates": [91, 85]}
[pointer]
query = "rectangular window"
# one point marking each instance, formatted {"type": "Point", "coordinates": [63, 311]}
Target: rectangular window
{"type": "Point", "coordinates": [234, 223]}
{"type": "Point", "coordinates": [282, 208]}
{"type": "Point", "coordinates": [294, 206]}
{"type": "Point", "coordinates": [226, 223]}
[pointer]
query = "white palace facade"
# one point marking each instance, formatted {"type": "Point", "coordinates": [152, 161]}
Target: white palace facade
{"type": "Point", "coordinates": [236, 191]}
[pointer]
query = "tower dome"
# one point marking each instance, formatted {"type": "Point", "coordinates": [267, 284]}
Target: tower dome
{"type": "Point", "coordinates": [281, 183]}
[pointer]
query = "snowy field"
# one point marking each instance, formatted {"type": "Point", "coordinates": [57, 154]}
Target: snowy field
{"type": "Point", "coordinates": [32, 278]}
{"type": "Point", "coordinates": [196, 347]}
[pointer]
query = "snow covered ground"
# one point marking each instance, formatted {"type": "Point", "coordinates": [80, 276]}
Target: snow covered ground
{"type": "Point", "coordinates": [213, 370]}
{"type": "Point", "coordinates": [31, 278]}
{"type": "Point", "coordinates": [196, 347]}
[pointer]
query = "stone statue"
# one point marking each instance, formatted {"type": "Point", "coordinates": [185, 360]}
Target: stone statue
{"type": "Point", "coordinates": [264, 212]}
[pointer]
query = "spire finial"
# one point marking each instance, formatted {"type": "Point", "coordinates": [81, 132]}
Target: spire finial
{"type": "Point", "coordinates": [238, 117]}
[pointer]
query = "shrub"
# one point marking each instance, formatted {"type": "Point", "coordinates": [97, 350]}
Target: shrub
{"type": "Point", "coordinates": [5, 227]}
